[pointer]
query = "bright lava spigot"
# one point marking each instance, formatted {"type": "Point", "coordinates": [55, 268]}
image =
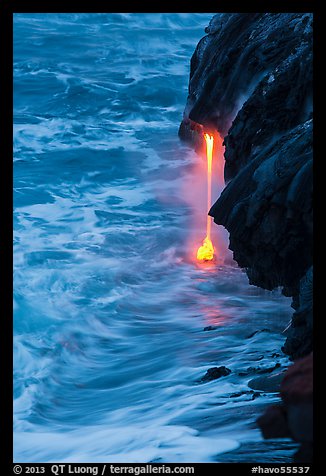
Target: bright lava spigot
{"type": "Point", "coordinates": [206, 251]}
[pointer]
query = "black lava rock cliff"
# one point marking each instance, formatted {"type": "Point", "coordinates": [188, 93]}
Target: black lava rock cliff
{"type": "Point", "coordinates": [251, 80]}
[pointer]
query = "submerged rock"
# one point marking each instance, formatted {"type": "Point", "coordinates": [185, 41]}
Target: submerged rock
{"type": "Point", "coordinates": [251, 79]}
{"type": "Point", "coordinates": [251, 393]}
{"type": "Point", "coordinates": [269, 383]}
{"type": "Point", "coordinates": [215, 373]}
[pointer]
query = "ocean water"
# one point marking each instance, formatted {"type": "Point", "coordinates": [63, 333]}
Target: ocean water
{"type": "Point", "coordinates": [109, 306]}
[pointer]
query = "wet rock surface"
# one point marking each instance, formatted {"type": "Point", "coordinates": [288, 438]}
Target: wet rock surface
{"type": "Point", "coordinates": [294, 417]}
{"type": "Point", "coordinates": [215, 373]}
{"type": "Point", "coordinates": [251, 393]}
{"type": "Point", "coordinates": [270, 383]}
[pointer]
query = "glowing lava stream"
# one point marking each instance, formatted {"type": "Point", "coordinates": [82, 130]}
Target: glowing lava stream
{"type": "Point", "coordinates": [206, 251]}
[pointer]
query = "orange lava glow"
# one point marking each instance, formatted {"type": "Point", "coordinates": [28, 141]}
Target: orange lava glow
{"type": "Point", "coordinates": [206, 251]}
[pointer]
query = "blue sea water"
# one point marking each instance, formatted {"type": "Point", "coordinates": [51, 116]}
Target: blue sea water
{"type": "Point", "coordinates": [109, 318]}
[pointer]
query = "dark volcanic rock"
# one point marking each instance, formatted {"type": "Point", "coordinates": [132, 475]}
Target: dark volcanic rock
{"type": "Point", "coordinates": [251, 79]}
{"type": "Point", "coordinates": [268, 235]}
{"type": "Point", "coordinates": [299, 340]}
{"type": "Point", "coordinates": [273, 423]}
{"type": "Point", "coordinates": [304, 453]}
{"type": "Point", "coordinates": [269, 383]}
{"type": "Point", "coordinates": [294, 417]}
{"type": "Point", "coordinates": [243, 52]}
{"type": "Point", "coordinates": [253, 394]}
{"type": "Point", "coordinates": [215, 373]}
{"type": "Point", "coordinates": [297, 385]}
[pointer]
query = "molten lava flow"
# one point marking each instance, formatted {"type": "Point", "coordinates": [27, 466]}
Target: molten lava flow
{"type": "Point", "coordinates": [206, 251]}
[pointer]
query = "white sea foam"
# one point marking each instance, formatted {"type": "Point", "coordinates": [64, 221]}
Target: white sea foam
{"type": "Point", "coordinates": [121, 445]}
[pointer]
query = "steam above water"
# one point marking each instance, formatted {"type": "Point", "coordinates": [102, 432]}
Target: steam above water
{"type": "Point", "coordinates": [109, 312]}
